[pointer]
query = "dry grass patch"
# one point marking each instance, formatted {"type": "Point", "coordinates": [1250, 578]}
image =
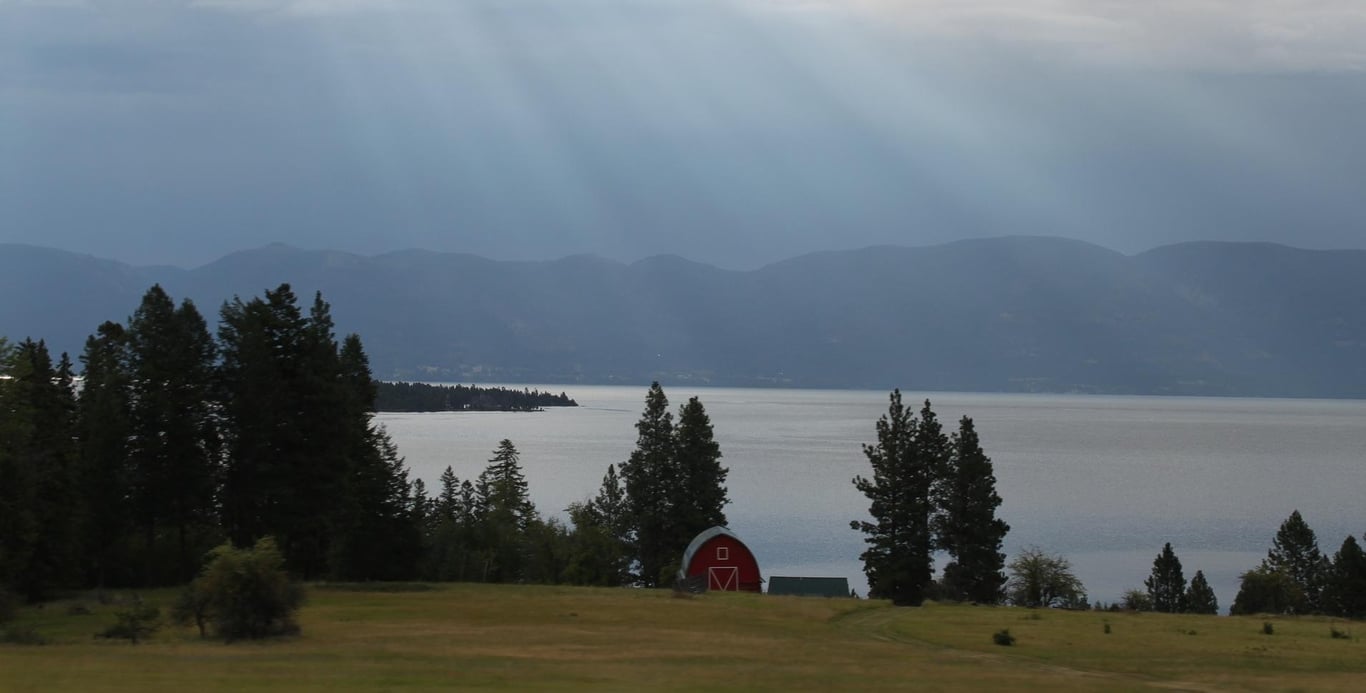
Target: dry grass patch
{"type": "Point", "coordinates": [534, 637]}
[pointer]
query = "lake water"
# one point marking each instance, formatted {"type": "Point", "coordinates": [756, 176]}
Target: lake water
{"type": "Point", "coordinates": [1102, 480]}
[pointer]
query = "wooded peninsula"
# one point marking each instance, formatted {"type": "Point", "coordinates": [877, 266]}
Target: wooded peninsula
{"type": "Point", "coordinates": [423, 397]}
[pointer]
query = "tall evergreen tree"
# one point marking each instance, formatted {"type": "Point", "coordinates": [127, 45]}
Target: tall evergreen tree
{"type": "Point", "coordinates": [39, 532]}
{"type": "Point", "coordinates": [1167, 585]}
{"type": "Point", "coordinates": [299, 433]}
{"type": "Point", "coordinates": [1200, 597]}
{"type": "Point", "coordinates": [18, 521]}
{"type": "Point", "coordinates": [898, 560]}
{"type": "Point", "coordinates": [173, 444]}
{"type": "Point", "coordinates": [966, 525]}
{"type": "Point", "coordinates": [1344, 590]}
{"type": "Point", "coordinates": [505, 516]}
{"type": "Point", "coordinates": [699, 497]}
{"type": "Point", "coordinates": [373, 536]}
{"type": "Point", "coordinates": [104, 414]}
{"type": "Point", "coordinates": [1295, 553]}
{"type": "Point", "coordinates": [649, 479]}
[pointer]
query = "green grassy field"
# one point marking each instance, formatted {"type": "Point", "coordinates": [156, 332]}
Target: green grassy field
{"type": "Point", "coordinates": [533, 637]}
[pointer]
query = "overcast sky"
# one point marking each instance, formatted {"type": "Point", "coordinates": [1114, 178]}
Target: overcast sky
{"type": "Point", "coordinates": [736, 132]}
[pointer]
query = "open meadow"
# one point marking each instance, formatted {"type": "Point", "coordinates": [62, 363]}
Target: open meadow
{"type": "Point", "coordinates": [420, 637]}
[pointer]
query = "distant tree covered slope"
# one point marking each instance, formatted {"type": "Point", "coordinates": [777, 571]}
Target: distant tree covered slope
{"type": "Point", "coordinates": [411, 397]}
{"type": "Point", "coordinates": [1000, 315]}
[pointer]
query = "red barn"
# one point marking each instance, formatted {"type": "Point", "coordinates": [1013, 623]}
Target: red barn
{"type": "Point", "coordinates": [723, 561]}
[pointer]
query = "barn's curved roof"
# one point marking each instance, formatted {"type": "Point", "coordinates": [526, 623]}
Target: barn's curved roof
{"type": "Point", "coordinates": [701, 539]}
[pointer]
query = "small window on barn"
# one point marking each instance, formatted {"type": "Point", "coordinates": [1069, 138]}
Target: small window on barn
{"type": "Point", "coordinates": [723, 553]}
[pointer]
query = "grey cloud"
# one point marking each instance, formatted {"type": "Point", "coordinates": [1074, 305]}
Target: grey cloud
{"type": "Point", "coordinates": [737, 132]}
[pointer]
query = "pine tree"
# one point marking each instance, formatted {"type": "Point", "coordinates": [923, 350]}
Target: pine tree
{"type": "Point", "coordinates": [173, 445]}
{"type": "Point", "coordinates": [372, 533]}
{"type": "Point", "coordinates": [299, 440]}
{"type": "Point", "coordinates": [905, 463]}
{"type": "Point", "coordinates": [1295, 553]}
{"type": "Point", "coordinates": [505, 516]}
{"type": "Point", "coordinates": [39, 530]}
{"type": "Point", "coordinates": [1167, 586]}
{"type": "Point", "coordinates": [600, 547]}
{"type": "Point", "coordinates": [649, 480]}
{"type": "Point", "coordinates": [1200, 597]}
{"type": "Point", "coordinates": [700, 494]}
{"type": "Point", "coordinates": [448, 505]}
{"type": "Point", "coordinates": [104, 415]}
{"type": "Point", "coordinates": [966, 525]}
{"type": "Point", "coordinates": [1344, 591]}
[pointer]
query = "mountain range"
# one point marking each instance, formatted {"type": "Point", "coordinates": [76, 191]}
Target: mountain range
{"type": "Point", "coordinates": [1013, 314]}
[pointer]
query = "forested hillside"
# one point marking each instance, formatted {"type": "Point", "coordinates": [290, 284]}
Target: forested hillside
{"type": "Point", "coordinates": [1007, 314]}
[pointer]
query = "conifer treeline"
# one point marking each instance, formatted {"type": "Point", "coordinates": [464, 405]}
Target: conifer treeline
{"type": "Point", "coordinates": [632, 532]}
{"type": "Point", "coordinates": [411, 397]}
{"type": "Point", "coordinates": [177, 441]}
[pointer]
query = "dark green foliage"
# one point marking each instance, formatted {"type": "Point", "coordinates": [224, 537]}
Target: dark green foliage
{"type": "Point", "coordinates": [167, 451]}
{"type": "Point", "coordinates": [1200, 597]}
{"type": "Point", "coordinates": [601, 551]}
{"type": "Point", "coordinates": [1136, 600]}
{"type": "Point", "coordinates": [1264, 590]}
{"type": "Point", "coordinates": [1344, 590]}
{"type": "Point", "coordinates": [246, 593]}
{"type": "Point", "coordinates": [966, 524]}
{"type": "Point", "coordinates": [674, 486]}
{"type": "Point", "coordinates": [423, 397]}
{"type": "Point", "coordinates": [39, 528]}
{"type": "Point", "coordinates": [909, 455]}
{"type": "Point", "coordinates": [105, 426]}
{"type": "Point", "coordinates": [1003, 637]}
{"type": "Point", "coordinates": [173, 442]}
{"type": "Point", "coordinates": [304, 461]}
{"type": "Point", "coordinates": [1268, 628]}
{"type": "Point", "coordinates": [192, 606]}
{"type": "Point", "coordinates": [1167, 585]}
{"type": "Point", "coordinates": [1295, 553]}
{"type": "Point", "coordinates": [9, 604]}
{"type": "Point", "coordinates": [649, 478]}
{"type": "Point", "coordinates": [1039, 579]}
{"type": "Point", "coordinates": [135, 623]}
{"type": "Point", "coordinates": [548, 552]}
{"type": "Point", "coordinates": [700, 494]}
{"type": "Point", "coordinates": [504, 516]}
{"type": "Point", "coordinates": [1336, 634]}
{"type": "Point", "coordinates": [21, 635]}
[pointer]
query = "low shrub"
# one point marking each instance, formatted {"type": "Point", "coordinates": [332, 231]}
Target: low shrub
{"type": "Point", "coordinates": [15, 635]}
{"type": "Point", "coordinates": [1107, 629]}
{"type": "Point", "coordinates": [1267, 628]}
{"type": "Point", "coordinates": [134, 624]}
{"type": "Point", "coordinates": [9, 605]}
{"type": "Point", "coordinates": [1003, 637]}
{"type": "Point", "coordinates": [243, 593]}
{"type": "Point", "coordinates": [1336, 634]}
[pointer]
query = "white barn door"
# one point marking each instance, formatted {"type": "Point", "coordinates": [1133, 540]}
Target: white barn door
{"type": "Point", "coordinates": [723, 578]}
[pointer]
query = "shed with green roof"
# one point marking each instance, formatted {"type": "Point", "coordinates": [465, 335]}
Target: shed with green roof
{"type": "Point", "coordinates": [809, 586]}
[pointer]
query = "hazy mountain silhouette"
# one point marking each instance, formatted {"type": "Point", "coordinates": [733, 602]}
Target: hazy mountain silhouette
{"type": "Point", "coordinates": [1006, 314]}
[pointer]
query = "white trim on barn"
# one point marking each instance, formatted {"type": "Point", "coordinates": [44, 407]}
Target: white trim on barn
{"type": "Point", "coordinates": [697, 542]}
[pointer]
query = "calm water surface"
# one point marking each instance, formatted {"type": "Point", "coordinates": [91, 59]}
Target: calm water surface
{"type": "Point", "coordinates": [1103, 480]}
